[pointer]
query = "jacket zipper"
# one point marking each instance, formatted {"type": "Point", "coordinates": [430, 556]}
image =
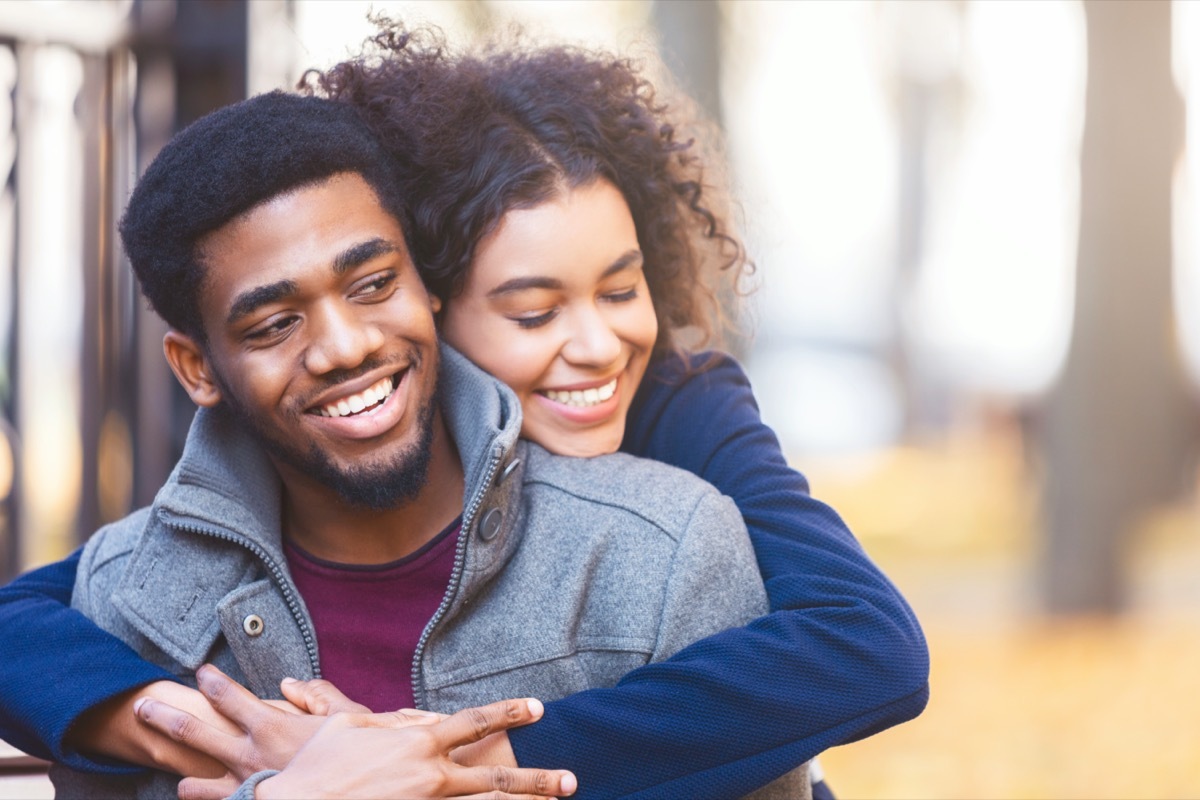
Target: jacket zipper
{"type": "Point", "coordinates": [280, 579]}
{"type": "Point", "coordinates": [460, 557]}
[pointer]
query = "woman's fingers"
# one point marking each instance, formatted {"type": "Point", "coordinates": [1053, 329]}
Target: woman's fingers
{"type": "Point", "coordinates": [319, 697]}
{"type": "Point", "coordinates": [182, 727]}
{"type": "Point", "coordinates": [232, 700]}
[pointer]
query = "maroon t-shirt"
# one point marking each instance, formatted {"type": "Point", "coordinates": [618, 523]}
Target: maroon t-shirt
{"type": "Point", "coordinates": [368, 619]}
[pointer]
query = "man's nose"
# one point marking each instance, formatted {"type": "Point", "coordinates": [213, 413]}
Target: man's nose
{"type": "Point", "coordinates": [341, 339]}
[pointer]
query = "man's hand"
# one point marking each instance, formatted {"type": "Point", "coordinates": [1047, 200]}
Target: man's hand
{"type": "Point", "coordinates": [320, 697]}
{"type": "Point", "coordinates": [387, 755]}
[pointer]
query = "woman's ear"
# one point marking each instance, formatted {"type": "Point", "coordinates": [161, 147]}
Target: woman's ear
{"type": "Point", "coordinates": [190, 365]}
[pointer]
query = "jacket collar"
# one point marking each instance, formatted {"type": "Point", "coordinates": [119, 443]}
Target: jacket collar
{"type": "Point", "coordinates": [225, 479]}
{"type": "Point", "coordinates": [225, 485]}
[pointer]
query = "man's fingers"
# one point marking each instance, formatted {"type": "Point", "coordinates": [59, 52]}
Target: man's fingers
{"type": "Point", "coordinates": [207, 788]}
{"type": "Point", "coordinates": [472, 724]}
{"type": "Point", "coordinates": [184, 728]}
{"type": "Point", "coordinates": [319, 697]}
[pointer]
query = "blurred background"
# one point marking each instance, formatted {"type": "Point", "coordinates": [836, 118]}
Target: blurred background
{"type": "Point", "coordinates": [976, 330]}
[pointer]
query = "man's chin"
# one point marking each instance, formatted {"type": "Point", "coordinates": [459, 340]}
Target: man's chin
{"type": "Point", "coordinates": [378, 487]}
{"type": "Point", "coordinates": [389, 482]}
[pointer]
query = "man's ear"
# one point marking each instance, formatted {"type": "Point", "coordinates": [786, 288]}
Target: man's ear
{"type": "Point", "coordinates": [190, 365]}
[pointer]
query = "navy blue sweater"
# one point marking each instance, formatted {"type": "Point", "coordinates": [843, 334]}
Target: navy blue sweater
{"type": "Point", "coordinates": [839, 657]}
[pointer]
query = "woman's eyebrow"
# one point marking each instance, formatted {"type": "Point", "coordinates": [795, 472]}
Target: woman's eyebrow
{"type": "Point", "coordinates": [513, 285]}
{"type": "Point", "coordinates": [361, 253]}
{"type": "Point", "coordinates": [631, 258]}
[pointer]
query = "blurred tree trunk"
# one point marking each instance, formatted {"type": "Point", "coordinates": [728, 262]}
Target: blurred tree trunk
{"type": "Point", "coordinates": [689, 36]}
{"type": "Point", "coordinates": [690, 45]}
{"type": "Point", "coordinates": [1118, 427]}
{"type": "Point", "coordinates": [192, 59]}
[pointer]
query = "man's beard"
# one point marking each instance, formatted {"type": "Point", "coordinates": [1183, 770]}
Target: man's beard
{"type": "Point", "coordinates": [378, 487]}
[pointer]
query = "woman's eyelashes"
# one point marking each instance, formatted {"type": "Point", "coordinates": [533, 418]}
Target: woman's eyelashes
{"type": "Point", "coordinates": [536, 319]}
{"type": "Point", "coordinates": [623, 296]}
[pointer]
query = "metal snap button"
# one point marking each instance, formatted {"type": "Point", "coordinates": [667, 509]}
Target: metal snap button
{"type": "Point", "coordinates": [508, 470]}
{"type": "Point", "coordinates": [253, 625]}
{"type": "Point", "coordinates": [489, 526]}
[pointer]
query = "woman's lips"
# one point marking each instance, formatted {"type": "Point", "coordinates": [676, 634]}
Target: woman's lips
{"type": "Point", "coordinates": [582, 398]}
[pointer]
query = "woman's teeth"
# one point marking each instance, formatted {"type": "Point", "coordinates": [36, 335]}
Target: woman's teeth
{"type": "Point", "coordinates": [355, 403]}
{"type": "Point", "coordinates": [584, 398]}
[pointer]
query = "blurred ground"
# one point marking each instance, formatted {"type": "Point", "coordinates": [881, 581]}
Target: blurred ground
{"type": "Point", "coordinates": [1021, 706]}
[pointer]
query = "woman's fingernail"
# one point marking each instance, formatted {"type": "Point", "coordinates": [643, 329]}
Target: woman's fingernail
{"type": "Point", "coordinates": [137, 704]}
{"type": "Point", "coordinates": [569, 784]}
{"type": "Point", "coordinates": [535, 707]}
{"type": "Point", "coordinates": [289, 680]}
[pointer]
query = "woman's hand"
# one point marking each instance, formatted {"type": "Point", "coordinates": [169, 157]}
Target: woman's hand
{"type": "Point", "coordinates": [111, 729]}
{"type": "Point", "coordinates": [241, 734]}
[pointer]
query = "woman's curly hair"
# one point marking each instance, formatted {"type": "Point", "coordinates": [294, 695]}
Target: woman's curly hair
{"type": "Point", "coordinates": [511, 126]}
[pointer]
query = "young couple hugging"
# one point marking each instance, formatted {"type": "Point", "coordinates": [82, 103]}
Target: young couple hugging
{"type": "Point", "coordinates": [420, 315]}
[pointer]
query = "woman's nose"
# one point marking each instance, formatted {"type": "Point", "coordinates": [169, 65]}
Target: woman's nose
{"type": "Point", "coordinates": [592, 340]}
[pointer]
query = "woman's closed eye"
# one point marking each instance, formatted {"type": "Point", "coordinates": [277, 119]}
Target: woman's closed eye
{"type": "Point", "coordinates": [535, 319]}
{"type": "Point", "coordinates": [623, 296]}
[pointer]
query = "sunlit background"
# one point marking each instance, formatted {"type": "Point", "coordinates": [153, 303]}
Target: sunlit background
{"type": "Point", "coordinates": [976, 326]}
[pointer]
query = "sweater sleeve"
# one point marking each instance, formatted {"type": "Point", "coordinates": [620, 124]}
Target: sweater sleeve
{"type": "Point", "coordinates": [840, 657]}
{"type": "Point", "coordinates": [57, 664]}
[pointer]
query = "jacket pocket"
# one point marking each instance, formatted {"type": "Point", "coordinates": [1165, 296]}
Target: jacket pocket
{"type": "Point", "coordinates": [548, 675]}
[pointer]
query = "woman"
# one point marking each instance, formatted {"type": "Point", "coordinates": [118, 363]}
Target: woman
{"type": "Point", "coordinates": [585, 327]}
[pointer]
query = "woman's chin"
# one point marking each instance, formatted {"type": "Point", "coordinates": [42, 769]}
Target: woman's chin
{"type": "Point", "coordinates": [578, 444]}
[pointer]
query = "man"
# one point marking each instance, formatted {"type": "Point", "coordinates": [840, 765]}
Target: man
{"type": "Point", "coordinates": [333, 432]}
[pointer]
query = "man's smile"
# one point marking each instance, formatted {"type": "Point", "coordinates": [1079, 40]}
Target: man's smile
{"type": "Point", "coordinates": [364, 408]}
{"type": "Point", "coordinates": [366, 401]}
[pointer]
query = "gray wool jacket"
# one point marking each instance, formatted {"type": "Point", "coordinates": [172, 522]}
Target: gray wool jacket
{"type": "Point", "coordinates": [568, 572]}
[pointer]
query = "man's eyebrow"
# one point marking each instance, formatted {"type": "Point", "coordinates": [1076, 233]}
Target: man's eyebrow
{"type": "Point", "coordinates": [629, 259]}
{"type": "Point", "coordinates": [251, 300]}
{"type": "Point", "coordinates": [361, 253]}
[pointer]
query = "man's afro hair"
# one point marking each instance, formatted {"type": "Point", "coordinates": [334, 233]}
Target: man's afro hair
{"type": "Point", "coordinates": [225, 164]}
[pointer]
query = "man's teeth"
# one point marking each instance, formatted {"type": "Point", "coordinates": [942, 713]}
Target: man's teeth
{"type": "Point", "coordinates": [584, 398]}
{"type": "Point", "coordinates": [355, 403]}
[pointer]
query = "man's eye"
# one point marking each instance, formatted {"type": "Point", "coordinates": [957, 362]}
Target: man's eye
{"type": "Point", "coordinates": [375, 287]}
{"type": "Point", "coordinates": [276, 328]}
{"type": "Point", "coordinates": [536, 321]}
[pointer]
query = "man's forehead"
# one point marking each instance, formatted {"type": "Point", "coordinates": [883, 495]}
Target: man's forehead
{"type": "Point", "coordinates": [325, 227]}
